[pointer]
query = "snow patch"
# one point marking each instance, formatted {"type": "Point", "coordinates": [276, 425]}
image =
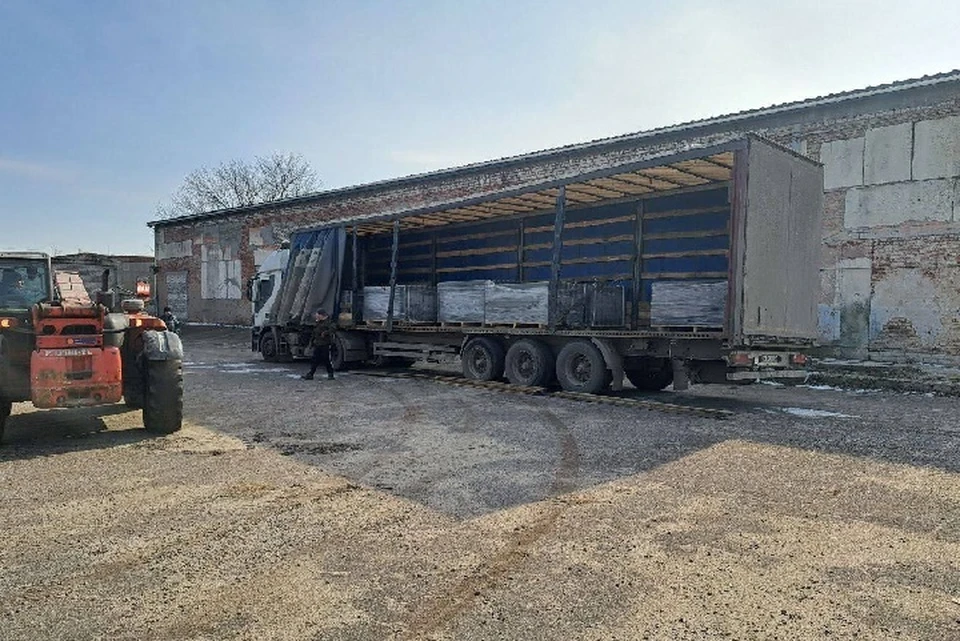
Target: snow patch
{"type": "Point", "coordinates": [810, 413]}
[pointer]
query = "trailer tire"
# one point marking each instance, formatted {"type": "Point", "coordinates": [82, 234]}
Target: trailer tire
{"type": "Point", "coordinates": [268, 348]}
{"type": "Point", "coordinates": [530, 362]}
{"type": "Point", "coordinates": [163, 398]}
{"type": "Point", "coordinates": [653, 377]}
{"type": "Point", "coordinates": [581, 368]}
{"type": "Point", "coordinates": [483, 359]}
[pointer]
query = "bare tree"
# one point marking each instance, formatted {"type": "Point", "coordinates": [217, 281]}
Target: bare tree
{"type": "Point", "coordinates": [238, 184]}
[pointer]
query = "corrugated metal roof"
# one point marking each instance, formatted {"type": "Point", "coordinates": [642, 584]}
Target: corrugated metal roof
{"type": "Point", "coordinates": [819, 101]}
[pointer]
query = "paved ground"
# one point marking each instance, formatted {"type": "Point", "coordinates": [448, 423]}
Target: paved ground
{"type": "Point", "coordinates": [371, 508]}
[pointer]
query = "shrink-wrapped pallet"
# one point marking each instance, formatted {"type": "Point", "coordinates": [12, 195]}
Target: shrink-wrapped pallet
{"type": "Point", "coordinates": [688, 304]}
{"type": "Point", "coordinates": [411, 303]}
{"type": "Point", "coordinates": [516, 303]}
{"type": "Point", "coordinates": [461, 301]}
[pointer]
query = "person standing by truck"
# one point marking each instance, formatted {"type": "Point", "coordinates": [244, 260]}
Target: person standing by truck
{"type": "Point", "coordinates": [321, 338]}
{"type": "Point", "coordinates": [170, 320]}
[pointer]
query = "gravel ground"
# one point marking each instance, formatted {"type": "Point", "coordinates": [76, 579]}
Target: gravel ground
{"type": "Point", "coordinates": [381, 508]}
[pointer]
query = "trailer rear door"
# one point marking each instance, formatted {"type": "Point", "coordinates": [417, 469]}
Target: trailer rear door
{"type": "Point", "coordinates": [777, 237]}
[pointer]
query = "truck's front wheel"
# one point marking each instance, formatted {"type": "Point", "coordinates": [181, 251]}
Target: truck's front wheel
{"type": "Point", "coordinates": [268, 348]}
{"type": "Point", "coordinates": [163, 398]}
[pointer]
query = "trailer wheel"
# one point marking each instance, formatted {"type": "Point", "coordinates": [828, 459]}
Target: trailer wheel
{"type": "Point", "coordinates": [268, 348]}
{"type": "Point", "coordinates": [482, 359]}
{"type": "Point", "coordinates": [529, 362]}
{"type": "Point", "coordinates": [163, 400]}
{"type": "Point", "coordinates": [581, 368]}
{"type": "Point", "coordinates": [654, 376]}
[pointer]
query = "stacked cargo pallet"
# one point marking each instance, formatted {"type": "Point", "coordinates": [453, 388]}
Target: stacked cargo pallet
{"type": "Point", "coordinates": [488, 303]}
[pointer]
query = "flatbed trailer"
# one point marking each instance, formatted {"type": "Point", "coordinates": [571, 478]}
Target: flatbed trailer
{"type": "Point", "coordinates": [697, 261]}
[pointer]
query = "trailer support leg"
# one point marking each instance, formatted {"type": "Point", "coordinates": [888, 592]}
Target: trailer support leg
{"type": "Point", "coordinates": [356, 304]}
{"type": "Point", "coordinates": [681, 375]}
{"type": "Point", "coordinates": [552, 302]}
{"type": "Point", "coordinates": [393, 274]}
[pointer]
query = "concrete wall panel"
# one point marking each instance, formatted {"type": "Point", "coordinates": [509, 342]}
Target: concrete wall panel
{"type": "Point", "coordinates": [220, 276]}
{"type": "Point", "coordinates": [260, 255]}
{"type": "Point", "coordinates": [887, 153]}
{"type": "Point", "coordinates": [853, 302]}
{"type": "Point", "coordinates": [897, 203]}
{"type": "Point", "coordinates": [842, 163]}
{"type": "Point", "coordinates": [260, 236]}
{"type": "Point", "coordinates": [181, 249]}
{"type": "Point", "coordinates": [936, 151]}
{"type": "Point", "coordinates": [828, 324]}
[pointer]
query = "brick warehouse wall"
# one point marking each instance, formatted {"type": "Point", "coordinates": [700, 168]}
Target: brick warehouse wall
{"type": "Point", "coordinates": [889, 283]}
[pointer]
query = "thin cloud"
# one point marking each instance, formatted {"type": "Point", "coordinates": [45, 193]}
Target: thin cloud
{"type": "Point", "coordinates": [34, 171]}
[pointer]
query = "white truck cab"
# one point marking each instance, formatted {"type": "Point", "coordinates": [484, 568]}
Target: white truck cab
{"type": "Point", "coordinates": [265, 287]}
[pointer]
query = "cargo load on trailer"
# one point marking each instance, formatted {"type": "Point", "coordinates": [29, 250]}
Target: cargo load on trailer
{"type": "Point", "coordinates": [60, 348]}
{"type": "Point", "coordinates": [694, 263]}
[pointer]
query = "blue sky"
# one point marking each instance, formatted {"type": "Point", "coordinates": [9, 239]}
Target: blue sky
{"type": "Point", "coordinates": [106, 106]}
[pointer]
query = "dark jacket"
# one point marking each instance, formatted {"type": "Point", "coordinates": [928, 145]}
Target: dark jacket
{"type": "Point", "coordinates": [322, 333]}
{"type": "Point", "coordinates": [171, 322]}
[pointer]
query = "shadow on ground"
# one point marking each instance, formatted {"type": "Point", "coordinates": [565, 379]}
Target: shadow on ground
{"type": "Point", "coordinates": [46, 432]}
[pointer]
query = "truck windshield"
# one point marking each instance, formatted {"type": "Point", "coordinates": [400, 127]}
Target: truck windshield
{"type": "Point", "coordinates": [23, 283]}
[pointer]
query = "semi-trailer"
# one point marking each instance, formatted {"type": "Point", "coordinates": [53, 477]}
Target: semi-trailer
{"type": "Point", "coordinates": [696, 261]}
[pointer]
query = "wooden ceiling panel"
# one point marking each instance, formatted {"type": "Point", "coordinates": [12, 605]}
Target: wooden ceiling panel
{"type": "Point", "coordinates": [664, 178]}
{"type": "Point", "coordinates": [676, 176]}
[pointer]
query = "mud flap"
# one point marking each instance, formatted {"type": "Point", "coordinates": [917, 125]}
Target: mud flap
{"type": "Point", "coordinates": [614, 362]}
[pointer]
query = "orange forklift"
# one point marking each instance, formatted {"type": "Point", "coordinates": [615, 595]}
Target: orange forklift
{"type": "Point", "coordinates": [59, 348]}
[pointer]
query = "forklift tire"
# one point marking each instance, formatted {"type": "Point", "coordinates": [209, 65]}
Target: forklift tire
{"type": "Point", "coordinates": [133, 398]}
{"type": "Point", "coordinates": [132, 385]}
{"type": "Point", "coordinates": [5, 408]}
{"type": "Point", "coordinates": [163, 398]}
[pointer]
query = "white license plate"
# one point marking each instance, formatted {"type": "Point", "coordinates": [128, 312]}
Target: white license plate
{"type": "Point", "coordinates": [770, 359]}
{"type": "Point", "coordinates": [65, 352]}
